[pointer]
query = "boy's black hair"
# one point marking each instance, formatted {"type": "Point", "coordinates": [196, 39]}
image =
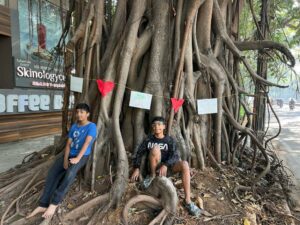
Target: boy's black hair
{"type": "Point", "coordinates": [158, 118]}
{"type": "Point", "coordinates": [83, 106]}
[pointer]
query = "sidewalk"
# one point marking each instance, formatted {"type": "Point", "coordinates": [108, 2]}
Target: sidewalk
{"type": "Point", "coordinates": [288, 146]}
{"type": "Point", "coordinates": [12, 153]}
{"type": "Point", "coordinates": [290, 159]}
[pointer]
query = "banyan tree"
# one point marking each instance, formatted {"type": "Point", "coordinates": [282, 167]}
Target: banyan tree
{"type": "Point", "coordinates": [184, 49]}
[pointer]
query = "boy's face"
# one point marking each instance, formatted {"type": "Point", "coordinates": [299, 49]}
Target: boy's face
{"type": "Point", "coordinates": [81, 115]}
{"type": "Point", "coordinates": [158, 127]}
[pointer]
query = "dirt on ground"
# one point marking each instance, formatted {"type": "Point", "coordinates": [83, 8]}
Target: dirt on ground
{"type": "Point", "coordinates": [212, 190]}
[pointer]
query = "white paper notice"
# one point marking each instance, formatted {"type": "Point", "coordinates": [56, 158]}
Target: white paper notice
{"type": "Point", "coordinates": [76, 84]}
{"type": "Point", "coordinates": [207, 106]}
{"type": "Point", "coordinates": [140, 100]}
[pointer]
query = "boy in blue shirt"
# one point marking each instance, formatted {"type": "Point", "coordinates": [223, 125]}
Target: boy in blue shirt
{"type": "Point", "coordinates": [63, 172]}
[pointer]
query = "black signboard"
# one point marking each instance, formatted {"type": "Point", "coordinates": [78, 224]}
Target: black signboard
{"type": "Point", "coordinates": [33, 75]}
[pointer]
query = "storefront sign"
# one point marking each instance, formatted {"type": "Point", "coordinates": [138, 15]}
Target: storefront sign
{"type": "Point", "coordinates": [37, 76]}
{"type": "Point", "coordinates": [22, 101]}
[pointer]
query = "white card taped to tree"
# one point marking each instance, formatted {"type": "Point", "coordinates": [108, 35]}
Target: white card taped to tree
{"type": "Point", "coordinates": [207, 106]}
{"type": "Point", "coordinates": [140, 100]}
{"type": "Point", "coordinates": [76, 84]}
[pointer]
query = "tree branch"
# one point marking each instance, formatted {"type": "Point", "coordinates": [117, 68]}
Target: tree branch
{"type": "Point", "coordinates": [261, 45]}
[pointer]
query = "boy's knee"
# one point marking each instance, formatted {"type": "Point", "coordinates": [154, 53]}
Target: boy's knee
{"type": "Point", "coordinates": [185, 166]}
{"type": "Point", "coordinates": [71, 174]}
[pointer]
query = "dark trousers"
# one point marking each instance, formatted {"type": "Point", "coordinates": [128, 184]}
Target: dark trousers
{"type": "Point", "coordinates": [59, 181]}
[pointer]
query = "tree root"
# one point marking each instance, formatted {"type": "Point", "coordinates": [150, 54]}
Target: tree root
{"type": "Point", "coordinates": [17, 180]}
{"type": "Point", "coordinates": [220, 217]}
{"type": "Point", "coordinates": [75, 213]}
{"type": "Point", "coordinates": [288, 214]}
{"type": "Point", "coordinates": [188, 29]}
{"type": "Point", "coordinates": [46, 221]}
{"type": "Point", "coordinates": [254, 139]}
{"type": "Point", "coordinates": [14, 201]}
{"type": "Point", "coordinates": [159, 218]}
{"type": "Point", "coordinates": [10, 187]}
{"type": "Point", "coordinates": [162, 188]}
{"type": "Point", "coordinates": [238, 188]}
{"type": "Point", "coordinates": [25, 189]}
{"type": "Point", "coordinates": [136, 199]}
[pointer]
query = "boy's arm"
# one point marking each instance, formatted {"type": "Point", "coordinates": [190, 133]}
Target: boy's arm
{"type": "Point", "coordinates": [137, 160]}
{"type": "Point", "coordinates": [67, 152]}
{"type": "Point", "coordinates": [87, 141]}
{"type": "Point", "coordinates": [140, 152]}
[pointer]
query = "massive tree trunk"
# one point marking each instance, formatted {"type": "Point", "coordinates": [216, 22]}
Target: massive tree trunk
{"type": "Point", "coordinates": [183, 49]}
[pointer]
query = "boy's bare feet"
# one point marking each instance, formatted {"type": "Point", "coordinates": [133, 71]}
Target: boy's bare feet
{"type": "Point", "coordinates": [36, 211]}
{"type": "Point", "coordinates": [50, 211]}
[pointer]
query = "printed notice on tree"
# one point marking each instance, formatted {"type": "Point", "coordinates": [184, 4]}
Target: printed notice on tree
{"type": "Point", "coordinates": [76, 84]}
{"type": "Point", "coordinates": [140, 100]}
{"type": "Point", "coordinates": [207, 106]}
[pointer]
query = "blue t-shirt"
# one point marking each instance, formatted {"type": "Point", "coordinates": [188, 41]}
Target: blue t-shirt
{"type": "Point", "coordinates": [78, 134]}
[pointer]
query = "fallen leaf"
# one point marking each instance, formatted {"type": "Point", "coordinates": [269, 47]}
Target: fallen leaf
{"type": "Point", "coordinates": [200, 202]}
{"type": "Point", "coordinates": [192, 195]}
{"type": "Point", "coordinates": [206, 195]}
{"type": "Point", "coordinates": [234, 201]}
{"type": "Point", "coordinates": [178, 183]}
{"type": "Point", "coordinates": [132, 210]}
{"type": "Point", "coordinates": [246, 222]}
{"type": "Point", "coordinates": [83, 218]}
{"type": "Point", "coordinates": [70, 206]}
{"type": "Point", "coordinates": [207, 214]}
{"type": "Point", "coordinates": [252, 199]}
{"type": "Point", "coordinates": [198, 185]}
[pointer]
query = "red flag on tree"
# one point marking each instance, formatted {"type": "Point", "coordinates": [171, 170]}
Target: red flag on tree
{"type": "Point", "coordinates": [176, 104]}
{"type": "Point", "coordinates": [105, 87]}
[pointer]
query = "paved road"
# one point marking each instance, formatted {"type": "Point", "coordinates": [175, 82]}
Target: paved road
{"type": "Point", "coordinates": [289, 142]}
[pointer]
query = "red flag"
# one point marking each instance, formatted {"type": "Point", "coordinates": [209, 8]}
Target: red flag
{"type": "Point", "coordinates": [105, 87]}
{"type": "Point", "coordinates": [176, 104]}
{"type": "Point", "coordinates": [41, 31]}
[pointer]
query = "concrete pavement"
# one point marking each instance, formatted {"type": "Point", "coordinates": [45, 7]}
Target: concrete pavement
{"type": "Point", "coordinates": [12, 153]}
{"type": "Point", "coordinates": [289, 144]}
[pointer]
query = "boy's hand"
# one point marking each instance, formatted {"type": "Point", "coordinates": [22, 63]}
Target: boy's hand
{"type": "Point", "coordinates": [135, 175]}
{"type": "Point", "coordinates": [66, 164]}
{"type": "Point", "coordinates": [74, 160]}
{"type": "Point", "coordinates": [163, 171]}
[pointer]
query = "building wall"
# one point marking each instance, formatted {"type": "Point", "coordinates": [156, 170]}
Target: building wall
{"type": "Point", "coordinates": [6, 50]}
{"type": "Point", "coordinates": [5, 21]}
{"type": "Point", "coordinates": [31, 87]}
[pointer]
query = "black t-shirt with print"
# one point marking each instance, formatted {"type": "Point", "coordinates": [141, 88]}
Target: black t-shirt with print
{"type": "Point", "coordinates": [167, 145]}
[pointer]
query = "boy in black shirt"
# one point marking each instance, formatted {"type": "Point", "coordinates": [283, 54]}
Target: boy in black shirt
{"type": "Point", "coordinates": [163, 155]}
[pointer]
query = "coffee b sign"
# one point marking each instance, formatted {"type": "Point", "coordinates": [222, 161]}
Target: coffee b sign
{"type": "Point", "coordinates": [28, 102]}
